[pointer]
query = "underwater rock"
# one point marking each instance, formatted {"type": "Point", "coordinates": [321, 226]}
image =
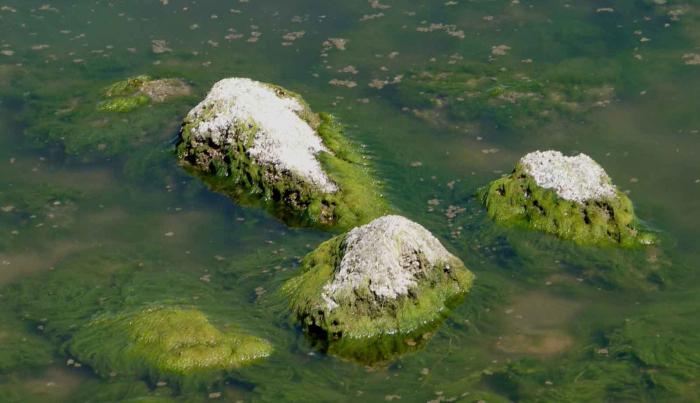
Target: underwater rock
{"type": "Point", "coordinates": [362, 291]}
{"type": "Point", "coordinates": [571, 197]}
{"type": "Point", "coordinates": [91, 120]}
{"type": "Point", "coordinates": [163, 341]}
{"type": "Point", "coordinates": [258, 141]}
{"type": "Point", "coordinates": [129, 94]}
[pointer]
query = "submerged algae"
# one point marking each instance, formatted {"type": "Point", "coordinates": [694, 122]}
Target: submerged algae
{"type": "Point", "coordinates": [510, 98]}
{"type": "Point", "coordinates": [115, 316]}
{"type": "Point", "coordinates": [330, 186]}
{"type": "Point", "coordinates": [651, 356]}
{"type": "Point", "coordinates": [360, 318]}
{"type": "Point", "coordinates": [519, 199]}
{"type": "Point", "coordinates": [21, 350]}
{"type": "Point", "coordinates": [99, 122]}
{"type": "Point", "coordinates": [163, 340]}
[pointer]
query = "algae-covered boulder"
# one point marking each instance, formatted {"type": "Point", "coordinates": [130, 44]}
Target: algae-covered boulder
{"type": "Point", "coordinates": [92, 119]}
{"type": "Point", "coordinates": [366, 293]}
{"type": "Point", "coordinates": [260, 143]}
{"type": "Point", "coordinates": [571, 197]}
{"type": "Point", "coordinates": [124, 96]}
{"type": "Point", "coordinates": [163, 341]}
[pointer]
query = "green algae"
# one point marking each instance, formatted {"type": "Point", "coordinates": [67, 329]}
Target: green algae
{"type": "Point", "coordinates": [127, 87]}
{"type": "Point", "coordinates": [116, 316]}
{"type": "Point", "coordinates": [230, 170]}
{"type": "Point", "coordinates": [509, 98]}
{"type": "Point", "coordinates": [95, 122]}
{"type": "Point", "coordinates": [517, 199]}
{"type": "Point", "coordinates": [314, 378]}
{"type": "Point", "coordinates": [123, 104]}
{"type": "Point", "coordinates": [650, 356]}
{"type": "Point", "coordinates": [27, 200]}
{"type": "Point", "coordinates": [360, 329]}
{"type": "Point", "coordinates": [21, 350]}
{"type": "Point", "coordinates": [166, 340]}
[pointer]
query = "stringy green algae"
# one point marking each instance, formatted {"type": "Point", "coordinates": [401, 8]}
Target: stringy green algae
{"type": "Point", "coordinates": [230, 170]}
{"type": "Point", "coordinates": [167, 340]}
{"type": "Point", "coordinates": [517, 199]}
{"type": "Point", "coordinates": [358, 328]}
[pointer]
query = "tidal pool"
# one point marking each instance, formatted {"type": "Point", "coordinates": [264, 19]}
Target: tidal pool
{"type": "Point", "coordinates": [97, 218]}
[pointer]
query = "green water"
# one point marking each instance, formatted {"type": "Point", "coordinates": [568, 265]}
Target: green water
{"type": "Point", "coordinates": [101, 219]}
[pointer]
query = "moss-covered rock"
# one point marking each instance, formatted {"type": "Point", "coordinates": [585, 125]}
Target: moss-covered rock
{"type": "Point", "coordinates": [262, 144]}
{"type": "Point", "coordinates": [163, 340]}
{"type": "Point", "coordinates": [127, 95]}
{"type": "Point", "coordinates": [91, 120]}
{"type": "Point", "coordinates": [371, 293]}
{"type": "Point", "coordinates": [571, 197]}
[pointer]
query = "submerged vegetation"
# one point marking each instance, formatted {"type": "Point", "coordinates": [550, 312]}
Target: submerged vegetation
{"type": "Point", "coordinates": [123, 278]}
{"type": "Point", "coordinates": [650, 356]}
{"type": "Point", "coordinates": [521, 98]}
{"type": "Point", "coordinates": [164, 341]}
{"type": "Point", "coordinates": [110, 314]}
{"type": "Point", "coordinates": [97, 122]}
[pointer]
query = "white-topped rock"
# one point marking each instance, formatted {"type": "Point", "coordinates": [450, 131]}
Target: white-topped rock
{"type": "Point", "coordinates": [283, 138]}
{"type": "Point", "coordinates": [387, 256]}
{"type": "Point", "coordinates": [577, 179]}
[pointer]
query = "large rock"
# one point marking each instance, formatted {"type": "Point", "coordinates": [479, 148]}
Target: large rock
{"type": "Point", "coordinates": [389, 278]}
{"type": "Point", "coordinates": [261, 143]}
{"type": "Point", "coordinates": [571, 197]}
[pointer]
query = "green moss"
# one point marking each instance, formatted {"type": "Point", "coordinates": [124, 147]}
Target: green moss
{"type": "Point", "coordinates": [230, 170]}
{"type": "Point", "coordinates": [126, 87]}
{"type": "Point", "coordinates": [163, 340]}
{"type": "Point", "coordinates": [360, 329]}
{"type": "Point", "coordinates": [517, 199]}
{"type": "Point", "coordinates": [123, 104]}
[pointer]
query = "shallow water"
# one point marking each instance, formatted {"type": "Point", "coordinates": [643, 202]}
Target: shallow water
{"type": "Point", "coordinates": [547, 320]}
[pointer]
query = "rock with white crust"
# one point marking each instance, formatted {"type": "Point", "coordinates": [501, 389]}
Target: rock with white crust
{"type": "Point", "coordinates": [388, 278]}
{"type": "Point", "coordinates": [249, 137]}
{"type": "Point", "coordinates": [571, 197]}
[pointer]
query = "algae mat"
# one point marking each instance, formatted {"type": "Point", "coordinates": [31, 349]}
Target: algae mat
{"type": "Point", "coordinates": [99, 221]}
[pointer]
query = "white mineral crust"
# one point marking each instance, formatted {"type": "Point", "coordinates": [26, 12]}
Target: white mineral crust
{"type": "Point", "coordinates": [283, 140]}
{"type": "Point", "coordinates": [576, 178]}
{"type": "Point", "coordinates": [381, 256]}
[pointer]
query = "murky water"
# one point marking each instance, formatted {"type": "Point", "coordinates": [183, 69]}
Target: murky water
{"type": "Point", "coordinates": [445, 96]}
